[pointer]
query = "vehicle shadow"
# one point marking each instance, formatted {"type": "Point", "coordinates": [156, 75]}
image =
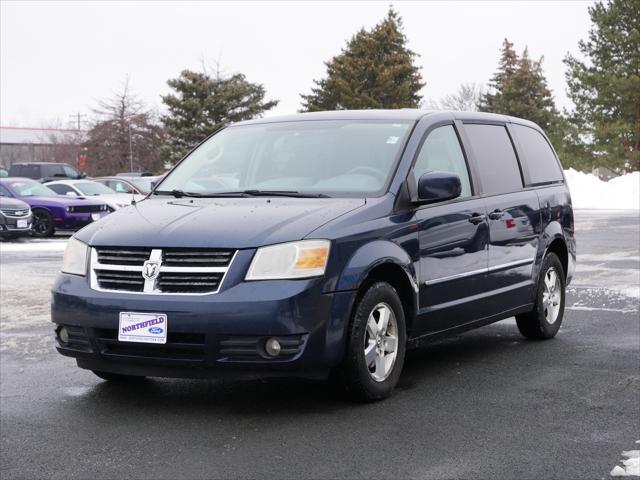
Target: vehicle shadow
{"type": "Point", "coordinates": [430, 364]}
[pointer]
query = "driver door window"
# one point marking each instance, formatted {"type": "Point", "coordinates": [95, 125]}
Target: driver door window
{"type": "Point", "coordinates": [441, 151]}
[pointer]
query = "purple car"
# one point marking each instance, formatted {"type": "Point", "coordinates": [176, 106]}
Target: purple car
{"type": "Point", "coordinates": [50, 210]}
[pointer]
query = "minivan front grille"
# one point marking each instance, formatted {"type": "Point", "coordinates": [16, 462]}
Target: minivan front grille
{"type": "Point", "coordinates": [122, 256]}
{"type": "Point", "coordinates": [123, 281]}
{"type": "Point", "coordinates": [196, 257]}
{"type": "Point", "coordinates": [159, 271]}
{"type": "Point", "coordinates": [187, 282]}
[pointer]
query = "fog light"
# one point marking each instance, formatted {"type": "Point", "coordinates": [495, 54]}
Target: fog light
{"type": "Point", "coordinates": [63, 335]}
{"type": "Point", "coordinates": [272, 347]}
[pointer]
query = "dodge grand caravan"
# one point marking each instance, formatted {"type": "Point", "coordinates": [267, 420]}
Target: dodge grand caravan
{"type": "Point", "coordinates": [323, 242]}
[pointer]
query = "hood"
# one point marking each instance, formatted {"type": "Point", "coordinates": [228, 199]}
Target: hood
{"type": "Point", "coordinates": [12, 203]}
{"type": "Point", "coordinates": [215, 222]}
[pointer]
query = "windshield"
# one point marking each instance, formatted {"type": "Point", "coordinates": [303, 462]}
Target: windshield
{"type": "Point", "coordinates": [93, 188]}
{"type": "Point", "coordinates": [324, 157]}
{"type": "Point", "coordinates": [24, 188]}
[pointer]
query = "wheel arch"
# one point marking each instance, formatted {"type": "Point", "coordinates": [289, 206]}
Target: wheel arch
{"type": "Point", "coordinates": [383, 260]}
{"type": "Point", "coordinates": [559, 247]}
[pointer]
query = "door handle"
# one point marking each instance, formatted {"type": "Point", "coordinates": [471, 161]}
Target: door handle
{"type": "Point", "coordinates": [477, 218]}
{"type": "Point", "coordinates": [496, 214]}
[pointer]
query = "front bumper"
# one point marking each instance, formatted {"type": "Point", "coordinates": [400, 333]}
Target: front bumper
{"type": "Point", "coordinates": [210, 335]}
{"type": "Point", "coordinates": [9, 225]}
{"type": "Point", "coordinates": [75, 221]}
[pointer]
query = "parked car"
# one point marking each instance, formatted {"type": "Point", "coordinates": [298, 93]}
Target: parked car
{"type": "Point", "coordinates": [136, 185]}
{"type": "Point", "coordinates": [4, 172]}
{"type": "Point", "coordinates": [323, 242]}
{"type": "Point", "coordinates": [51, 211]}
{"type": "Point", "coordinates": [44, 171]}
{"type": "Point", "coordinates": [89, 188]}
{"type": "Point", "coordinates": [15, 217]}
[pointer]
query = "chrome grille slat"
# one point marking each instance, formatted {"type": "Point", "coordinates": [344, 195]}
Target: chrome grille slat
{"type": "Point", "coordinates": [112, 280]}
{"type": "Point", "coordinates": [194, 271]}
{"type": "Point", "coordinates": [197, 257]}
{"type": "Point", "coordinates": [126, 256]}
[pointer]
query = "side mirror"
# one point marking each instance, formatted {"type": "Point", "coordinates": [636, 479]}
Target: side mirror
{"type": "Point", "coordinates": [71, 194]}
{"type": "Point", "coordinates": [438, 186]}
{"type": "Point", "coordinates": [82, 175]}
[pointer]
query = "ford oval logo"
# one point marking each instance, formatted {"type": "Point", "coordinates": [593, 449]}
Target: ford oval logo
{"type": "Point", "coordinates": [155, 330]}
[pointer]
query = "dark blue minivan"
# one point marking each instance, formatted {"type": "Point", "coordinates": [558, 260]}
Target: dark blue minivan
{"type": "Point", "coordinates": [323, 242]}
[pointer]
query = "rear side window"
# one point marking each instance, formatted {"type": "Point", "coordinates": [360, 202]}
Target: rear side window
{"type": "Point", "coordinates": [52, 171]}
{"type": "Point", "coordinates": [30, 171]}
{"type": "Point", "coordinates": [497, 163]}
{"type": "Point", "coordinates": [538, 156]}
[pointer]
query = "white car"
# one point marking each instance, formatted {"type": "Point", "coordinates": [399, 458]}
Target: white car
{"type": "Point", "coordinates": [89, 188]}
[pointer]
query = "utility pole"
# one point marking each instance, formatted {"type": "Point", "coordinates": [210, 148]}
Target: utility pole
{"type": "Point", "coordinates": [130, 149]}
{"type": "Point", "coordinates": [77, 120]}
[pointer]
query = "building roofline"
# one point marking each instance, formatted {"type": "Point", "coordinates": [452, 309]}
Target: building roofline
{"type": "Point", "coordinates": [35, 129]}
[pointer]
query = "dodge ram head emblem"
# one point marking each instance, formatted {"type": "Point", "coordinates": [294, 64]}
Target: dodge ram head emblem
{"type": "Point", "coordinates": [150, 269]}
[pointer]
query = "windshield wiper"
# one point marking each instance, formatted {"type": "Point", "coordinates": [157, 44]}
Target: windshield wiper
{"type": "Point", "coordinates": [283, 193]}
{"type": "Point", "coordinates": [178, 193]}
{"type": "Point", "coordinates": [242, 193]}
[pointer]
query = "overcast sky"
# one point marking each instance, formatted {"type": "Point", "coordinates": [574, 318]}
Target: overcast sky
{"type": "Point", "coordinates": [58, 58]}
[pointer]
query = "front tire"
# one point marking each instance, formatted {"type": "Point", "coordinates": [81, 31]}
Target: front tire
{"type": "Point", "coordinates": [544, 321]}
{"type": "Point", "coordinates": [42, 223]}
{"type": "Point", "coordinates": [376, 344]}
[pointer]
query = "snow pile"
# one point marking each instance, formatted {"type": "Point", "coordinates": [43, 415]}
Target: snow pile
{"type": "Point", "coordinates": [588, 191]}
{"type": "Point", "coordinates": [631, 464]}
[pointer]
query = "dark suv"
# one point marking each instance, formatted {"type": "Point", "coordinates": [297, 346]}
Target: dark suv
{"type": "Point", "coordinates": [323, 242]}
{"type": "Point", "coordinates": [45, 171]}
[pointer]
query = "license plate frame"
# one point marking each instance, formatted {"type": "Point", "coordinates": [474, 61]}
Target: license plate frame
{"type": "Point", "coordinates": [142, 327]}
{"type": "Point", "coordinates": [22, 223]}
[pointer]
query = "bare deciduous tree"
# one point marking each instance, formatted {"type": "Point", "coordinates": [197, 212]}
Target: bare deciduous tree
{"type": "Point", "coordinates": [465, 99]}
{"type": "Point", "coordinates": [125, 136]}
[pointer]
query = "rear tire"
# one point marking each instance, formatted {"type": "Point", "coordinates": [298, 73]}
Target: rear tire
{"type": "Point", "coordinates": [544, 321]}
{"type": "Point", "coordinates": [376, 345]}
{"type": "Point", "coordinates": [117, 377]}
{"type": "Point", "coordinates": [42, 223]}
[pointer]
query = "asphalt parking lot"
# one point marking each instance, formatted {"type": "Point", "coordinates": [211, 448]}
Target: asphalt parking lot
{"type": "Point", "coordinates": [485, 404]}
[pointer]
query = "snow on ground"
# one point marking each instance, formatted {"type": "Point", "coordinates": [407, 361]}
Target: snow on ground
{"type": "Point", "coordinates": [30, 245]}
{"type": "Point", "coordinates": [588, 191]}
{"type": "Point", "coordinates": [630, 464]}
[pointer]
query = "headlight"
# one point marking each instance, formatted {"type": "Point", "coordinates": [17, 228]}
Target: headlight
{"type": "Point", "coordinates": [307, 258]}
{"type": "Point", "coordinates": [75, 256]}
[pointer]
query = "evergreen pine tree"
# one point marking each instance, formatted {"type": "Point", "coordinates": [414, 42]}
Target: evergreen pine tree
{"type": "Point", "coordinates": [519, 88]}
{"type": "Point", "coordinates": [374, 70]}
{"type": "Point", "coordinates": [203, 104]}
{"type": "Point", "coordinates": [606, 87]}
{"type": "Point", "coordinates": [490, 101]}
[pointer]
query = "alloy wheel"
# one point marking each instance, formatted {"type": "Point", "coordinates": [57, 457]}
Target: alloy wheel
{"type": "Point", "coordinates": [381, 342]}
{"type": "Point", "coordinates": [551, 295]}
